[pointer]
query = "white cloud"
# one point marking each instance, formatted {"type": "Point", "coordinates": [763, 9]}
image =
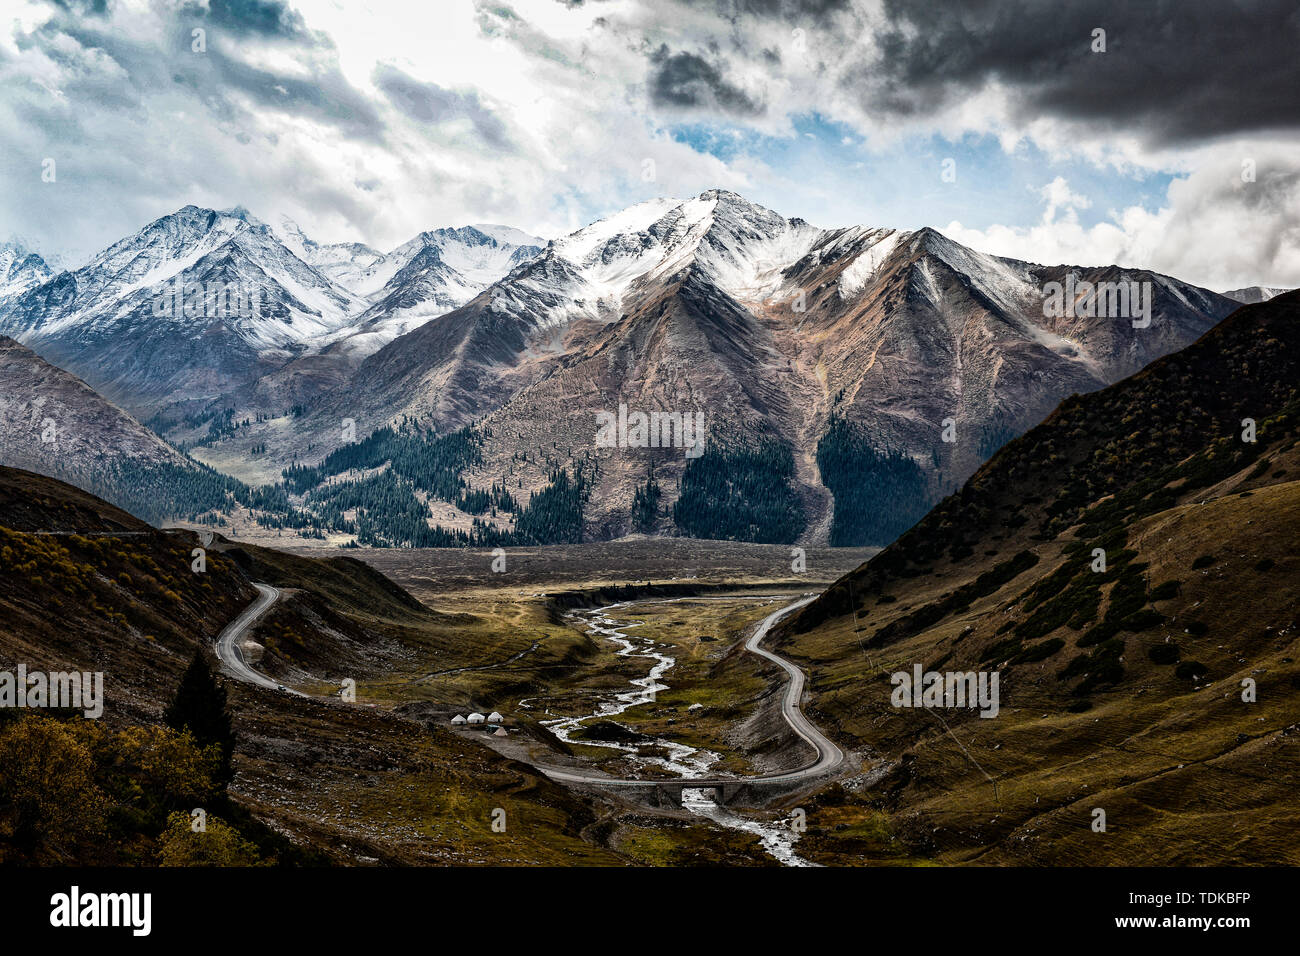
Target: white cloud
{"type": "Point", "coordinates": [1213, 229]}
{"type": "Point", "coordinates": [1057, 197]}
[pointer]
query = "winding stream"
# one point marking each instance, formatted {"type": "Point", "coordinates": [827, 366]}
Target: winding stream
{"type": "Point", "coordinates": [778, 840]}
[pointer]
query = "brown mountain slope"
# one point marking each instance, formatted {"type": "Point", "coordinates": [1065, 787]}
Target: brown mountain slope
{"type": "Point", "coordinates": [53, 423]}
{"type": "Point", "coordinates": [1121, 690]}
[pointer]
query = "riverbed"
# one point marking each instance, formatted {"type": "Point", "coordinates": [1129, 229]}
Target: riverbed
{"type": "Point", "coordinates": [777, 838]}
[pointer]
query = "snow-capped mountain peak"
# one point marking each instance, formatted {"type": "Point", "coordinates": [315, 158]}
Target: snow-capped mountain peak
{"type": "Point", "coordinates": [291, 234]}
{"type": "Point", "coordinates": [192, 245]}
{"type": "Point", "coordinates": [1005, 282]}
{"type": "Point", "coordinates": [509, 235]}
{"type": "Point", "coordinates": [229, 299]}
{"type": "Point", "coordinates": [1255, 293]}
{"type": "Point", "coordinates": [746, 247]}
{"type": "Point", "coordinates": [477, 255]}
{"type": "Point", "coordinates": [215, 292]}
{"type": "Point", "coordinates": [427, 276]}
{"type": "Point", "coordinates": [343, 262]}
{"type": "Point", "coordinates": [20, 269]}
{"type": "Point", "coordinates": [738, 245]}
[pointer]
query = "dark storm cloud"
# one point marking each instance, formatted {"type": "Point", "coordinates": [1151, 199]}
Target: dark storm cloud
{"type": "Point", "coordinates": [430, 103]}
{"type": "Point", "coordinates": [266, 18]}
{"type": "Point", "coordinates": [687, 81]}
{"type": "Point", "coordinates": [817, 11]}
{"type": "Point", "coordinates": [1175, 70]}
{"type": "Point", "coordinates": [325, 96]}
{"type": "Point", "coordinates": [89, 7]}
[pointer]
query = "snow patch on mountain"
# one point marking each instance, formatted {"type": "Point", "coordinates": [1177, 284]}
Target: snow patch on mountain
{"type": "Point", "coordinates": [1007, 284]}
{"type": "Point", "coordinates": [866, 265]}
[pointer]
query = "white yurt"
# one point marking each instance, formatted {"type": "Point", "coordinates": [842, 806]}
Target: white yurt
{"type": "Point", "coordinates": [495, 717]}
{"type": "Point", "coordinates": [476, 718]}
{"type": "Point", "coordinates": [458, 719]}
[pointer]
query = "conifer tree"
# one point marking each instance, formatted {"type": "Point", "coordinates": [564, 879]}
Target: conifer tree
{"type": "Point", "coordinates": [200, 705]}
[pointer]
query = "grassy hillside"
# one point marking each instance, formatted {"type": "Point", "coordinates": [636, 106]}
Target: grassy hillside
{"type": "Point", "coordinates": [85, 586]}
{"type": "Point", "coordinates": [1121, 689]}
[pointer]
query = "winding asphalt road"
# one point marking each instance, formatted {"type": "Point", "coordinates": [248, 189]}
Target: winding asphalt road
{"type": "Point", "coordinates": [829, 756]}
{"type": "Point", "coordinates": [228, 640]}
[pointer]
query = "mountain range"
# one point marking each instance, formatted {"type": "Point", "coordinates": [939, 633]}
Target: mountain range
{"type": "Point", "coordinates": [820, 359]}
{"type": "Point", "coordinates": [116, 321]}
{"type": "Point", "coordinates": [846, 378]}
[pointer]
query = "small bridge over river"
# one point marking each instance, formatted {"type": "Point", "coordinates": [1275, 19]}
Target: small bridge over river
{"type": "Point", "coordinates": [667, 793]}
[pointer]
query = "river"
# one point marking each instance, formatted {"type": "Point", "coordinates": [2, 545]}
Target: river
{"type": "Point", "coordinates": [777, 838]}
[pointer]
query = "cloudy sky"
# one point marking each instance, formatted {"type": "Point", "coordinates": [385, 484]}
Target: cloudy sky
{"type": "Point", "coordinates": [1174, 148]}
